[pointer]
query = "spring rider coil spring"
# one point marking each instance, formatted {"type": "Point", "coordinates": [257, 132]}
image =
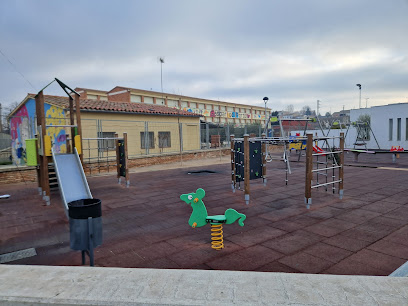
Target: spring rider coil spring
{"type": "Point", "coordinates": [200, 217]}
{"type": "Point", "coordinates": [217, 239]}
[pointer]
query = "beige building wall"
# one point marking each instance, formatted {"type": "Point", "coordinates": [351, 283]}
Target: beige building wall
{"type": "Point", "coordinates": [211, 110]}
{"type": "Point", "coordinates": [163, 133]}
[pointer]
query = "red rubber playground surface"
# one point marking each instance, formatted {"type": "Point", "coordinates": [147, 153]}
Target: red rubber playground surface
{"type": "Point", "coordinates": [145, 226]}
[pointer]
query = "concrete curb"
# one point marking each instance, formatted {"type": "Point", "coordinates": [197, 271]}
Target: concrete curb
{"type": "Point", "coordinates": [119, 286]}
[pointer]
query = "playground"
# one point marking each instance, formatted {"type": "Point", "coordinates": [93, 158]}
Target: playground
{"type": "Point", "coordinates": [146, 225]}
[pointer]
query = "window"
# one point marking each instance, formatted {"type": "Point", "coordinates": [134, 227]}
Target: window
{"type": "Point", "coordinates": [150, 140]}
{"type": "Point", "coordinates": [106, 144]}
{"type": "Point", "coordinates": [192, 105]}
{"type": "Point", "coordinates": [390, 126]}
{"type": "Point", "coordinates": [164, 140]}
{"type": "Point", "coordinates": [135, 98]}
{"type": "Point", "coordinates": [172, 103]}
{"type": "Point", "coordinates": [184, 104]}
{"type": "Point", "coordinates": [92, 97]}
{"type": "Point", "coordinates": [160, 101]}
{"type": "Point", "coordinates": [398, 129]}
{"type": "Point", "coordinates": [406, 128]}
{"type": "Point", "coordinates": [103, 98]}
{"type": "Point", "coordinates": [148, 100]}
{"type": "Point", "coordinates": [200, 106]}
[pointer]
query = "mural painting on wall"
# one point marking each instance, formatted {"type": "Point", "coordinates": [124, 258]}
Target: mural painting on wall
{"type": "Point", "coordinates": [55, 116]}
{"type": "Point", "coordinates": [22, 126]}
{"type": "Point", "coordinates": [20, 131]}
{"type": "Point", "coordinates": [224, 114]}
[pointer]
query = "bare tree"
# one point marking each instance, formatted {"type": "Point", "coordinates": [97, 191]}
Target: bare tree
{"type": "Point", "coordinates": [4, 112]}
{"type": "Point", "coordinates": [289, 108]}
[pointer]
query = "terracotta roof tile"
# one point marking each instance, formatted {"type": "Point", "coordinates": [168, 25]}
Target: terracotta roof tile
{"type": "Point", "coordinates": [124, 107]}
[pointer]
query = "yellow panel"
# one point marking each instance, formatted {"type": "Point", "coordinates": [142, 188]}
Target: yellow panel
{"type": "Point", "coordinates": [47, 145]}
{"type": "Point", "coordinates": [77, 140]}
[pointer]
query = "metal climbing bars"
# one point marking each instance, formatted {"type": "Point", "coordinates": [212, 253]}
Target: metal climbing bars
{"type": "Point", "coordinates": [245, 167]}
{"type": "Point", "coordinates": [334, 160]}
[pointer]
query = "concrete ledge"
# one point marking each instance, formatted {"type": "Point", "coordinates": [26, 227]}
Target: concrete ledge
{"type": "Point", "coordinates": [26, 285]}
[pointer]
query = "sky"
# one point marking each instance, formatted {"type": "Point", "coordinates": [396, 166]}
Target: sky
{"type": "Point", "coordinates": [295, 52]}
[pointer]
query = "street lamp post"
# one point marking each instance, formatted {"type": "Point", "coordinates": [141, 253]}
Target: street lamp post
{"type": "Point", "coordinates": [265, 99]}
{"type": "Point", "coordinates": [359, 86]}
{"type": "Point", "coordinates": [161, 59]}
{"type": "Point", "coordinates": [367, 102]}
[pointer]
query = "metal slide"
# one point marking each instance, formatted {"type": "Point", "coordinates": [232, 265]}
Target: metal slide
{"type": "Point", "coordinates": [71, 178]}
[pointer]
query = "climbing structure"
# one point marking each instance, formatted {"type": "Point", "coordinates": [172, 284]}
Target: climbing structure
{"type": "Point", "coordinates": [199, 217]}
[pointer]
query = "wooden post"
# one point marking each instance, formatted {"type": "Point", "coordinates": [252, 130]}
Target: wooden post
{"type": "Point", "coordinates": [45, 182]}
{"type": "Point", "coordinates": [117, 158]}
{"type": "Point", "coordinates": [264, 146]}
{"type": "Point", "coordinates": [125, 143]}
{"type": "Point", "coordinates": [309, 173]}
{"type": "Point", "coordinates": [341, 169]}
{"type": "Point", "coordinates": [233, 179]}
{"type": "Point", "coordinates": [246, 168]}
{"type": "Point", "coordinates": [78, 123]}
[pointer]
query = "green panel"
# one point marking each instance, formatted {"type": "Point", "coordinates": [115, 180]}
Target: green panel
{"type": "Point", "coordinates": [31, 152]}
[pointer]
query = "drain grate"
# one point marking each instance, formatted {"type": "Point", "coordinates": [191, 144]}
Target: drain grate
{"type": "Point", "coordinates": [17, 255]}
{"type": "Point", "coordinates": [201, 172]}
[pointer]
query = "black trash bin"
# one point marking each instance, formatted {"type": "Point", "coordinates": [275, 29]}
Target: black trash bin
{"type": "Point", "coordinates": [85, 225]}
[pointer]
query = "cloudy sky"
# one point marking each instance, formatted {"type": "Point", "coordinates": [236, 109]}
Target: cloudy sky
{"type": "Point", "coordinates": [295, 51]}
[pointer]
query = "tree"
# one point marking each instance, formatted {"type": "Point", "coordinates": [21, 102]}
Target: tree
{"type": "Point", "coordinates": [364, 118]}
{"type": "Point", "coordinates": [328, 114]}
{"type": "Point", "coordinates": [5, 111]}
{"type": "Point", "coordinates": [290, 108]}
{"type": "Point", "coordinates": [306, 110]}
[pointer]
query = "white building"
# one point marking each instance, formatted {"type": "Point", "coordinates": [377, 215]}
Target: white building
{"type": "Point", "coordinates": [389, 124]}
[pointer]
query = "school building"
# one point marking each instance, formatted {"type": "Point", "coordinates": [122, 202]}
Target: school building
{"type": "Point", "coordinates": [210, 110]}
{"type": "Point", "coordinates": [151, 129]}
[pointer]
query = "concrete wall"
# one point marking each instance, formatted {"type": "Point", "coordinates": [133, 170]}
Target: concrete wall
{"type": "Point", "coordinates": [34, 285]}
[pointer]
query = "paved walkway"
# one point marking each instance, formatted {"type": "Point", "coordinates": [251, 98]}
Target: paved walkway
{"type": "Point", "coordinates": [145, 226]}
{"type": "Point", "coordinates": [112, 286]}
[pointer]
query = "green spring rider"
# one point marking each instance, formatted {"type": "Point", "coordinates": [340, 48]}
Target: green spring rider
{"type": "Point", "coordinates": [199, 217]}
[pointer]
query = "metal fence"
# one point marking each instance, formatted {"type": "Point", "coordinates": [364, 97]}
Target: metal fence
{"type": "Point", "coordinates": [145, 138]}
{"type": "Point", "coordinates": [214, 135]}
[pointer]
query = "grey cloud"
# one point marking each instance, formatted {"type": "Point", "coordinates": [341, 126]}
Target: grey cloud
{"type": "Point", "coordinates": [293, 51]}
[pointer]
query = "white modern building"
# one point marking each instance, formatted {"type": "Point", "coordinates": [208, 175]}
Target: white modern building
{"type": "Point", "coordinates": [389, 124]}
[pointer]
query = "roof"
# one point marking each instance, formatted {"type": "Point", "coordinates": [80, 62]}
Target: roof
{"type": "Point", "coordinates": [176, 96]}
{"type": "Point", "coordinates": [120, 107]}
{"type": "Point", "coordinates": [89, 89]}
